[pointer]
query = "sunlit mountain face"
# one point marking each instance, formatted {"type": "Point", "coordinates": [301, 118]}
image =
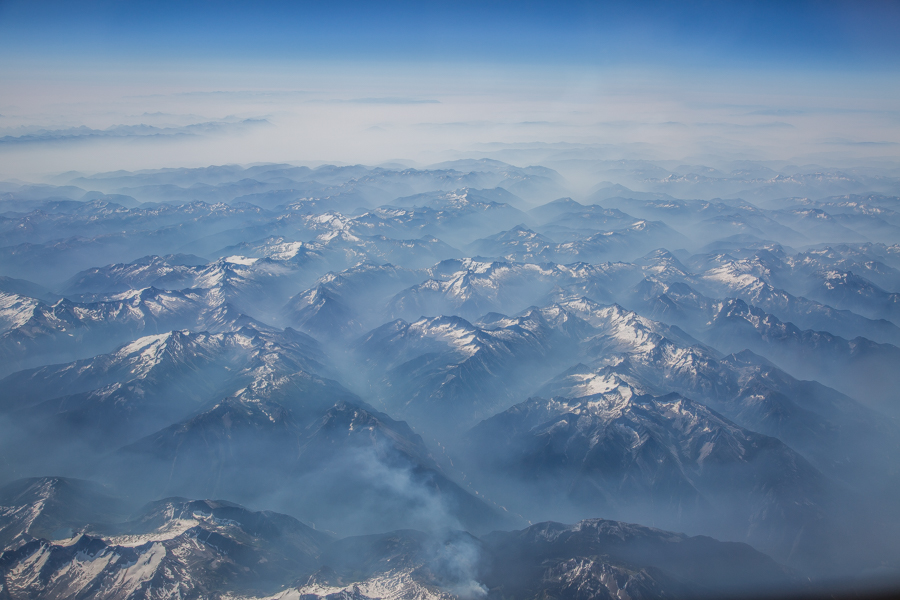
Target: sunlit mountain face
{"type": "Point", "coordinates": [352, 301]}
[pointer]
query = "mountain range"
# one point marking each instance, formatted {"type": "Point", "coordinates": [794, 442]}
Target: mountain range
{"type": "Point", "coordinates": [466, 380]}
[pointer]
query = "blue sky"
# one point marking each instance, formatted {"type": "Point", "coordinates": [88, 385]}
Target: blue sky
{"type": "Point", "coordinates": [781, 34]}
{"type": "Point", "coordinates": [426, 81]}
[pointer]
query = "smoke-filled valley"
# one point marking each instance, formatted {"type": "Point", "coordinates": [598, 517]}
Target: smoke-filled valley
{"type": "Point", "coordinates": [470, 379]}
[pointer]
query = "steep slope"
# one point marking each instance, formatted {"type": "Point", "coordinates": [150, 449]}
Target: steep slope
{"type": "Point", "coordinates": [733, 279]}
{"type": "Point", "coordinates": [175, 548]}
{"type": "Point", "coordinates": [630, 241]}
{"type": "Point", "coordinates": [519, 243]}
{"type": "Point", "coordinates": [147, 384]}
{"type": "Point", "coordinates": [315, 458]}
{"type": "Point", "coordinates": [444, 372]}
{"type": "Point", "coordinates": [581, 222]}
{"type": "Point", "coordinates": [606, 559]}
{"type": "Point", "coordinates": [170, 272]}
{"type": "Point", "coordinates": [664, 460]}
{"type": "Point", "coordinates": [832, 430]}
{"type": "Point", "coordinates": [53, 508]}
{"type": "Point", "coordinates": [347, 302]}
{"type": "Point", "coordinates": [469, 288]}
{"type": "Point", "coordinates": [323, 314]}
{"type": "Point", "coordinates": [217, 549]}
{"type": "Point", "coordinates": [40, 333]}
{"type": "Point", "coordinates": [866, 260]}
{"type": "Point", "coordinates": [255, 285]}
{"type": "Point", "coordinates": [457, 218]}
{"type": "Point", "coordinates": [853, 292]}
{"type": "Point", "coordinates": [858, 367]}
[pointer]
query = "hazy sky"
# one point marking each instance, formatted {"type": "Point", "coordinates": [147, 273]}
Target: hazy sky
{"type": "Point", "coordinates": [370, 82]}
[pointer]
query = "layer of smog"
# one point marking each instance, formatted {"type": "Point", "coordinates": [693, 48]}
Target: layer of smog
{"type": "Point", "coordinates": [334, 320]}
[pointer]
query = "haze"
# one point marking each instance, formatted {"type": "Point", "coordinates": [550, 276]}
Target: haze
{"type": "Point", "coordinates": [449, 301]}
{"type": "Point", "coordinates": [301, 82]}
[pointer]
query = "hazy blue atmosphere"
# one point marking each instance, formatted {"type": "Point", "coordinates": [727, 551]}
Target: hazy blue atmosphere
{"type": "Point", "coordinates": [449, 300]}
{"type": "Point", "coordinates": [423, 82]}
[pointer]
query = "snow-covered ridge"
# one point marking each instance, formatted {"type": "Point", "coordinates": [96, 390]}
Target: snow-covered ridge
{"type": "Point", "coordinates": [147, 351]}
{"type": "Point", "coordinates": [397, 584]}
{"type": "Point", "coordinates": [15, 310]}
